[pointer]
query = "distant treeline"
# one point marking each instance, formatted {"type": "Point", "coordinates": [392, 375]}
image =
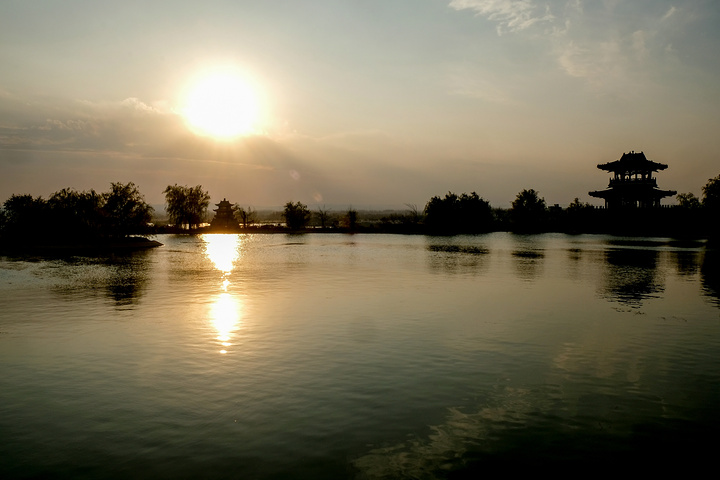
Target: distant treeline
{"type": "Point", "coordinates": [529, 213]}
{"type": "Point", "coordinates": [71, 216]}
{"type": "Point", "coordinates": [470, 214]}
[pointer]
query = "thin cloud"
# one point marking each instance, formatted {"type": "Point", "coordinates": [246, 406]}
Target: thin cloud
{"type": "Point", "coordinates": [613, 64]}
{"type": "Point", "coordinates": [669, 13]}
{"type": "Point", "coordinates": [599, 43]}
{"type": "Point", "coordinates": [510, 15]}
{"type": "Point", "coordinates": [137, 104]}
{"type": "Point", "coordinates": [117, 126]}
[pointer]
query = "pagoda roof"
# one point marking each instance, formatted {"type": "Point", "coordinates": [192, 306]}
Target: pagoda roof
{"type": "Point", "coordinates": [646, 193]}
{"type": "Point", "coordinates": [632, 161]}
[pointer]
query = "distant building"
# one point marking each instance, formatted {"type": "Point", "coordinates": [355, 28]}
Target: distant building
{"type": "Point", "coordinates": [632, 185]}
{"type": "Point", "coordinates": [224, 217]}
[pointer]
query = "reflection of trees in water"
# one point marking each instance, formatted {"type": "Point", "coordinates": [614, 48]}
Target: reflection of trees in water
{"type": "Point", "coordinates": [574, 253]}
{"type": "Point", "coordinates": [686, 262]}
{"type": "Point", "coordinates": [458, 258]}
{"type": "Point", "coordinates": [187, 266]}
{"type": "Point", "coordinates": [128, 277]}
{"type": "Point", "coordinates": [630, 276]}
{"type": "Point", "coordinates": [577, 263]}
{"type": "Point", "coordinates": [528, 255]}
{"type": "Point", "coordinates": [710, 274]}
{"type": "Point", "coordinates": [122, 278]}
{"type": "Point", "coordinates": [528, 263]}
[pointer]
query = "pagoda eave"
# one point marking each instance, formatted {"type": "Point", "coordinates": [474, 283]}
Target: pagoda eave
{"type": "Point", "coordinates": [614, 193]}
{"type": "Point", "coordinates": [625, 166]}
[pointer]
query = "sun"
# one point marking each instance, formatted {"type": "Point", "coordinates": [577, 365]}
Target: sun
{"type": "Point", "coordinates": [223, 104]}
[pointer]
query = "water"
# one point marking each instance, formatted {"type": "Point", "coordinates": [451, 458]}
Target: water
{"type": "Point", "coordinates": [364, 356]}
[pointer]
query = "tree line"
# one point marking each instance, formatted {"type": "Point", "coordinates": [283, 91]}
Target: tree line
{"type": "Point", "coordinates": [529, 213]}
{"type": "Point", "coordinates": [70, 215]}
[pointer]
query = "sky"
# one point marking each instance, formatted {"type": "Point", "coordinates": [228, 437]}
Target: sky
{"type": "Point", "coordinates": [365, 104]}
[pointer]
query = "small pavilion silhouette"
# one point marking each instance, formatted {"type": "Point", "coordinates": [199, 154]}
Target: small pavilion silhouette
{"type": "Point", "coordinates": [632, 185]}
{"type": "Point", "coordinates": [224, 217]}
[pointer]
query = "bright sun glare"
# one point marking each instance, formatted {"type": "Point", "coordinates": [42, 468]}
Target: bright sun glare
{"type": "Point", "coordinates": [222, 104]}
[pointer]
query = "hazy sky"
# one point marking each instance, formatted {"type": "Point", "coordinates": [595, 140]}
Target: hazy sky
{"type": "Point", "coordinates": [363, 103]}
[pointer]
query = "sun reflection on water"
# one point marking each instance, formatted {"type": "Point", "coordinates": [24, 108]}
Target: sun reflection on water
{"type": "Point", "coordinates": [223, 250]}
{"type": "Point", "coordinates": [225, 312]}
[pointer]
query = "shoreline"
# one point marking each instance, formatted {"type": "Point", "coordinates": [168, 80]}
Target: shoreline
{"type": "Point", "coordinates": [128, 244]}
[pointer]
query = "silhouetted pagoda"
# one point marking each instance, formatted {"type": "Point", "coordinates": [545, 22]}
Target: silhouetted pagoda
{"type": "Point", "coordinates": [224, 217]}
{"type": "Point", "coordinates": [632, 185]}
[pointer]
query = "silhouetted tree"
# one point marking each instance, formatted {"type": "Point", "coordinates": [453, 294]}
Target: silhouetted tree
{"type": "Point", "coordinates": [577, 206]}
{"type": "Point", "coordinates": [70, 215]}
{"type": "Point", "coordinates": [124, 210]}
{"type": "Point", "coordinates": [528, 211]}
{"type": "Point", "coordinates": [440, 214]}
{"type": "Point", "coordinates": [186, 205]}
{"type": "Point", "coordinates": [579, 217]}
{"type": "Point", "coordinates": [76, 214]}
{"type": "Point", "coordinates": [711, 194]}
{"type": "Point", "coordinates": [458, 214]}
{"type": "Point", "coordinates": [323, 215]}
{"type": "Point", "coordinates": [407, 222]}
{"type": "Point", "coordinates": [685, 220]}
{"type": "Point", "coordinates": [711, 206]}
{"type": "Point", "coordinates": [688, 201]}
{"type": "Point", "coordinates": [25, 217]}
{"type": "Point", "coordinates": [246, 216]}
{"type": "Point", "coordinates": [475, 213]}
{"type": "Point", "coordinates": [414, 216]}
{"type": "Point", "coordinates": [350, 221]}
{"type": "Point", "coordinates": [296, 215]}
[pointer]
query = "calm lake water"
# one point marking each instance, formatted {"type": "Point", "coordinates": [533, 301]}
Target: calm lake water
{"type": "Point", "coordinates": [360, 356]}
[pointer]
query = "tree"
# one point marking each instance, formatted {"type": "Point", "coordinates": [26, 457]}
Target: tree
{"type": "Point", "coordinates": [458, 214]}
{"type": "Point", "coordinates": [351, 219]}
{"type": "Point", "coordinates": [576, 206]}
{"type": "Point", "coordinates": [124, 210]}
{"type": "Point", "coordinates": [711, 195]}
{"type": "Point", "coordinates": [70, 215]}
{"type": "Point", "coordinates": [438, 214]}
{"type": "Point", "coordinates": [245, 216]}
{"type": "Point", "coordinates": [25, 218]}
{"type": "Point", "coordinates": [528, 210]}
{"type": "Point", "coordinates": [296, 215]}
{"type": "Point", "coordinates": [186, 205]}
{"type": "Point", "coordinates": [711, 206]}
{"type": "Point", "coordinates": [688, 201]}
{"type": "Point", "coordinates": [414, 216]}
{"type": "Point", "coordinates": [76, 214]}
{"type": "Point", "coordinates": [579, 217]}
{"type": "Point", "coordinates": [323, 215]}
{"type": "Point", "coordinates": [475, 213]}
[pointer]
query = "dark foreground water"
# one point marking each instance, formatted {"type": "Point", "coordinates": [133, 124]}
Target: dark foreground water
{"type": "Point", "coordinates": [365, 356]}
